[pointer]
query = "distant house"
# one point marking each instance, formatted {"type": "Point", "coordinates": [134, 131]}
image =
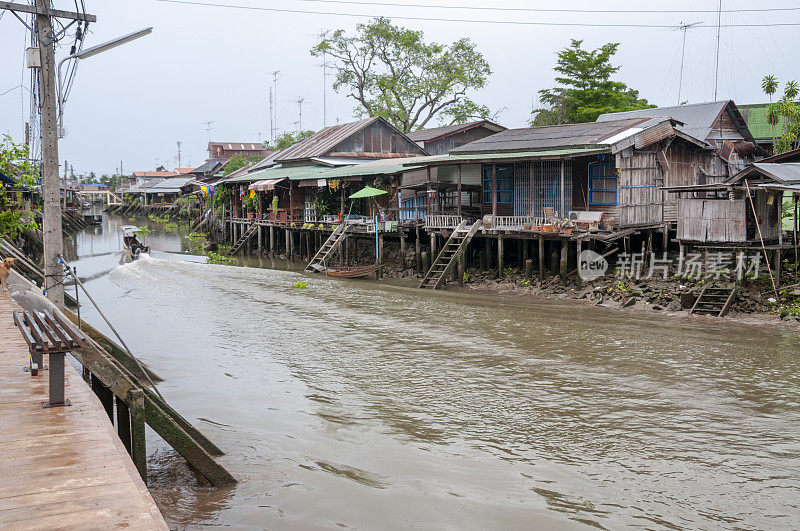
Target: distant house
{"type": "Point", "coordinates": [440, 140]}
{"type": "Point", "coordinates": [222, 151]}
{"type": "Point", "coordinates": [756, 117]}
{"type": "Point", "coordinates": [167, 190]}
{"type": "Point", "coordinates": [183, 171]}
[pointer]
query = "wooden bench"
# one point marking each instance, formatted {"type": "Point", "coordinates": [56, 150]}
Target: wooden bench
{"type": "Point", "coordinates": [52, 334]}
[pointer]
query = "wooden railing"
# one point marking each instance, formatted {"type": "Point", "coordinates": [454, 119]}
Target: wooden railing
{"type": "Point", "coordinates": [440, 221]}
{"type": "Point", "coordinates": [515, 222]}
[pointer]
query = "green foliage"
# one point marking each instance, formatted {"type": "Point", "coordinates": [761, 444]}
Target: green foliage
{"type": "Point", "coordinates": [216, 258]}
{"type": "Point", "coordinates": [787, 107]}
{"type": "Point", "coordinates": [525, 282]}
{"type": "Point", "coordinates": [392, 72]}
{"type": "Point", "coordinates": [300, 284]}
{"type": "Point", "coordinates": [237, 161]}
{"type": "Point", "coordinates": [466, 277]}
{"type": "Point", "coordinates": [155, 218]}
{"type": "Point", "coordinates": [14, 163]}
{"type": "Point", "coordinates": [250, 203]}
{"type": "Point", "coordinates": [222, 196]}
{"type": "Point", "coordinates": [585, 89]}
{"type": "Point", "coordinates": [287, 139]}
{"type": "Point", "coordinates": [508, 270]}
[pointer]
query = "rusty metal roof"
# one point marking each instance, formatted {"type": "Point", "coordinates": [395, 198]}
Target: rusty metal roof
{"type": "Point", "coordinates": [161, 174]}
{"type": "Point", "coordinates": [435, 133]}
{"type": "Point", "coordinates": [590, 134]}
{"type": "Point", "coordinates": [321, 142]}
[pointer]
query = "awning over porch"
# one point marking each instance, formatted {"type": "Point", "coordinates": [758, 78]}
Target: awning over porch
{"type": "Point", "coordinates": [266, 185]}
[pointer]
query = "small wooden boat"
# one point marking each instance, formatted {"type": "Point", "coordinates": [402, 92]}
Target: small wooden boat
{"type": "Point", "coordinates": [352, 271]}
{"type": "Point", "coordinates": [131, 242]}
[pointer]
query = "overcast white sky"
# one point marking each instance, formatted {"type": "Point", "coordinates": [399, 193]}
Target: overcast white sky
{"type": "Point", "coordinates": [205, 64]}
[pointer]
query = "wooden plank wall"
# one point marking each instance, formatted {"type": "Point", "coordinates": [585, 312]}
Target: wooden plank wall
{"type": "Point", "coordinates": [638, 197]}
{"type": "Point", "coordinates": [712, 220]}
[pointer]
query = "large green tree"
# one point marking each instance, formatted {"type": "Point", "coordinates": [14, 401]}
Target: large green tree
{"type": "Point", "coordinates": [392, 72]}
{"type": "Point", "coordinates": [584, 88]}
{"type": "Point", "coordinates": [14, 164]}
{"type": "Point", "coordinates": [287, 139]}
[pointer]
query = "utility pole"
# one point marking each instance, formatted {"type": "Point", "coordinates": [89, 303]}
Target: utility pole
{"type": "Point", "coordinates": [322, 36]}
{"type": "Point", "coordinates": [683, 27]}
{"type": "Point", "coordinates": [271, 119]}
{"type": "Point", "coordinates": [275, 95]}
{"type": "Point", "coordinates": [64, 185]}
{"type": "Point", "coordinates": [716, 71]}
{"type": "Point", "coordinates": [299, 102]}
{"type": "Point", "coordinates": [51, 219]}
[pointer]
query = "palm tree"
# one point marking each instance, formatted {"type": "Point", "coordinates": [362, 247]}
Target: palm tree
{"type": "Point", "coordinates": [769, 85]}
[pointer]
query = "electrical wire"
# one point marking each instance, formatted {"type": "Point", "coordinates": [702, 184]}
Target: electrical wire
{"type": "Point", "coordinates": [461, 20]}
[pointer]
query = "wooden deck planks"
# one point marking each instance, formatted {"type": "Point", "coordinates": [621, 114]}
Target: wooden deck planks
{"type": "Point", "coordinates": [61, 467]}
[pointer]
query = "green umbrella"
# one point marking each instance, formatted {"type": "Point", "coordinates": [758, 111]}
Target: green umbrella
{"type": "Point", "coordinates": [368, 191]}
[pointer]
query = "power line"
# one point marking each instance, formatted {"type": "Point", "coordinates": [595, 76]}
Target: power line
{"type": "Point", "coordinates": [551, 10]}
{"type": "Point", "coordinates": [472, 21]}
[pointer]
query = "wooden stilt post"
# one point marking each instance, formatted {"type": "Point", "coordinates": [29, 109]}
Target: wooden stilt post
{"type": "Point", "coordinates": [487, 251]}
{"type": "Point", "coordinates": [578, 260]}
{"type": "Point", "coordinates": [462, 268]}
{"type": "Point", "coordinates": [402, 250]}
{"type": "Point", "coordinates": [138, 442]}
{"type": "Point", "coordinates": [525, 248]}
{"type": "Point", "coordinates": [380, 254]}
{"type": "Point", "coordinates": [500, 262]}
{"type": "Point", "coordinates": [434, 254]}
{"type": "Point", "coordinates": [124, 423]}
{"type": "Point", "coordinates": [541, 257]}
{"type": "Point", "coordinates": [564, 264]}
{"type": "Point", "coordinates": [418, 252]}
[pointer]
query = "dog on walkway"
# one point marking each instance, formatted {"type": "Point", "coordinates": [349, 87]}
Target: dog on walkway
{"type": "Point", "coordinates": [5, 270]}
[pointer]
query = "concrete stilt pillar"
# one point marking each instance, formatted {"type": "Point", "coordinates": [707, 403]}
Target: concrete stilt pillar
{"type": "Point", "coordinates": [124, 424]}
{"type": "Point", "coordinates": [418, 252]}
{"type": "Point", "coordinates": [136, 400]}
{"type": "Point", "coordinates": [578, 259]}
{"type": "Point", "coordinates": [271, 240]}
{"type": "Point", "coordinates": [288, 245]}
{"type": "Point", "coordinates": [487, 249]}
{"type": "Point", "coordinates": [564, 262]}
{"type": "Point", "coordinates": [434, 254]}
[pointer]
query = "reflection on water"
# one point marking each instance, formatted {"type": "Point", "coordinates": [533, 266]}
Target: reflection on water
{"type": "Point", "coordinates": [367, 405]}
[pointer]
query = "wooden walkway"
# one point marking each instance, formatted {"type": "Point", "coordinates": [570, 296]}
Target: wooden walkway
{"type": "Point", "coordinates": [62, 467]}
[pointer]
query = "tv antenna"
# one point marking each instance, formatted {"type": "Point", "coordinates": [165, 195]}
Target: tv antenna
{"type": "Point", "coordinates": [300, 102]}
{"type": "Point", "coordinates": [683, 27]}
{"type": "Point", "coordinates": [209, 127]}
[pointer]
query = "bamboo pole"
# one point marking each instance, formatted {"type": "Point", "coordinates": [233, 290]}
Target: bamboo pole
{"type": "Point", "coordinates": [760, 237]}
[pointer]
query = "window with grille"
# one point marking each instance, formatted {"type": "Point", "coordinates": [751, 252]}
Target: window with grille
{"type": "Point", "coordinates": [602, 184]}
{"type": "Point", "coordinates": [505, 184]}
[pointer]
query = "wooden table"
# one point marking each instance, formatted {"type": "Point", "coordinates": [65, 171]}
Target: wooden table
{"type": "Point", "coordinates": [61, 467]}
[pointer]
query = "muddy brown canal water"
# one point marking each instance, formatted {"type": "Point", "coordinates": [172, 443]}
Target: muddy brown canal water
{"type": "Point", "coordinates": [376, 406]}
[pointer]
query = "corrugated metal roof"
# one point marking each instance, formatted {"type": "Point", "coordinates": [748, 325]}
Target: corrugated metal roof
{"type": "Point", "coordinates": [698, 118]}
{"type": "Point", "coordinates": [207, 166]}
{"type": "Point", "coordinates": [174, 183]}
{"type": "Point", "coordinates": [377, 167]}
{"type": "Point", "coordinates": [453, 158]}
{"type": "Point", "coordinates": [294, 173]}
{"type": "Point", "coordinates": [161, 174]}
{"type": "Point", "coordinates": [238, 146]}
{"type": "Point", "coordinates": [323, 141]}
{"type": "Point", "coordinates": [427, 135]}
{"type": "Point", "coordinates": [788, 172]}
{"type": "Point", "coordinates": [550, 137]}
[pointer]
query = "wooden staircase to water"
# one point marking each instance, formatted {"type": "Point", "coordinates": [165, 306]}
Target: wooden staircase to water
{"type": "Point", "coordinates": [334, 241]}
{"type": "Point", "coordinates": [714, 300]}
{"type": "Point", "coordinates": [237, 246]}
{"type": "Point", "coordinates": [452, 250]}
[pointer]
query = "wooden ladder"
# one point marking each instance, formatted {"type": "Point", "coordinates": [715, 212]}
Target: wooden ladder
{"type": "Point", "coordinates": [451, 251]}
{"type": "Point", "coordinates": [318, 263]}
{"type": "Point", "coordinates": [714, 300]}
{"type": "Point", "coordinates": [243, 239]}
